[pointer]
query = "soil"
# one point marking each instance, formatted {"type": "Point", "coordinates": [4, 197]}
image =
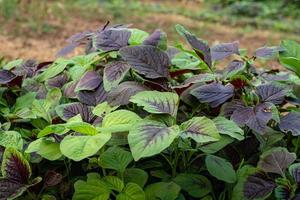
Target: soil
{"type": "Point", "coordinates": [44, 48]}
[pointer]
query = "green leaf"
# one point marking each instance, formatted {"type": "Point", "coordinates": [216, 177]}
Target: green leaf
{"type": "Point", "coordinates": [137, 36]}
{"type": "Point", "coordinates": [136, 175]}
{"type": "Point", "coordinates": [94, 188]}
{"type": "Point", "coordinates": [229, 127]}
{"type": "Point", "coordinates": [214, 147]}
{"type": "Point", "coordinates": [80, 147]}
{"type": "Point", "coordinates": [58, 129]}
{"type": "Point", "coordinates": [157, 102]}
{"type": "Point", "coordinates": [276, 160]}
{"type": "Point", "coordinates": [120, 117]}
{"type": "Point", "coordinates": [114, 183]}
{"type": "Point", "coordinates": [200, 129]}
{"type": "Point", "coordinates": [132, 191]}
{"type": "Point", "coordinates": [115, 158]}
{"type": "Point", "coordinates": [24, 101]}
{"type": "Point", "coordinates": [12, 64]}
{"type": "Point", "coordinates": [194, 184]}
{"type": "Point", "coordinates": [41, 109]}
{"type": "Point", "coordinates": [56, 68]}
{"type": "Point", "coordinates": [82, 127]}
{"type": "Point", "coordinates": [220, 168]}
{"type": "Point", "coordinates": [162, 191]}
{"type": "Point", "coordinates": [103, 109]}
{"type": "Point", "coordinates": [11, 139]}
{"type": "Point", "coordinates": [148, 138]}
{"type": "Point", "coordinates": [290, 57]}
{"type": "Point", "coordinates": [45, 147]}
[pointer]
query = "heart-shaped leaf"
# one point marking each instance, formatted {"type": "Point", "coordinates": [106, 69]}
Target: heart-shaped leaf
{"type": "Point", "coordinates": [271, 93]}
{"type": "Point", "coordinates": [220, 168]}
{"type": "Point", "coordinates": [148, 138]}
{"type": "Point", "coordinates": [200, 129]}
{"type": "Point", "coordinates": [157, 102]}
{"type": "Point", "coordinates": [122, 93]}
{"type": "Point", "coordinates": [89, 81]}
{"type": "Point", "coordinates": [147, 60]}
{"type": "Point", "coordinates": [132, 191]}
{"type": "Point", "coordinates": [80, 147]}
{"type": "Point", "coordinates": [214, 94]}
{"type": "Point", "coordinates": [115, 158]}
{"type": "Point", "coordinates": [223, 50]}
{"type": "Point", "coordinates": [113, 74]}
{"type": "Point", "coordinates": [276, 160]}
{"type": "Point", "coordinates": [290, 122]}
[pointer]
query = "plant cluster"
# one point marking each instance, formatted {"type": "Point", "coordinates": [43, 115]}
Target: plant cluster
{"type": "Point", "coordinates": [137, 119]}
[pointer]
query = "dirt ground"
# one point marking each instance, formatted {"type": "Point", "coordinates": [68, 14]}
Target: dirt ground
{"type": "Point", "coordinates": [44, 48]}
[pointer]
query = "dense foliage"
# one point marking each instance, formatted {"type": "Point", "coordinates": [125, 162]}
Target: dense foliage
{"type": "Point", "coordinates": [137, 119]}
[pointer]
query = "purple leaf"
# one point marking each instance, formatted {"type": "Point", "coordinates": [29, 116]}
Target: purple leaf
{"type": "Point", "coordinates": [67, 49]}
{"type": "Point", "coordinates": [172, 51]}
{"type": "Point", "coordinates": [10, 189]}
{"type": "Point", "coordinates": [6, 76]}
{"type": "Point", "coordinates": [228, 108]}
{"type": "Point", "coordinates": [200, 47]}
{"type": "Point", "coordinates": [271, 93]}
{"type": "Point", "coordinates": [223, 50]}
{"type": "Point", "coordinates": [15, 167]}
{"type": "Point", "coordinates": [276, 160]}
{"type": "Point", "coordinates": [199, 78]}
{"type": "Point", "coordinates": [147, 60]}
{"type": "Point", "coordinates": [52, 178]}
{"type": "Point", "coordinates": [67, 111]}
{"type": "Point", "coordinates": [255, 118]}
{"type": "Point", "coordinates": [267, 52]}
{"type": "Point", "coordinates": [58, 81]}
{"type": "Point", "coordinates": [155, 38]}
{"type": "Point", "coordinates": [290, 122]}
{"type": "Point", "coordinates": [121, 94]}
{"type": "Point", "coordinates": [234, 67]}
{"type": "Point", "coordinates": [294, 171]}
{"type": "Point", "coordinates": [113, 74]}
{"type": "Point", "coordinates": [112, 39]}
{"type": "Point", "coordinates": [214, 93]}
{"type": "Point", "coordinates": [89, 81]}
{"type": "Point", "coordinates": [69, 90]}
{"type": "Point", "coordinates": [92, 97]}
{"type": "Point", "coordinates": [258, 186]}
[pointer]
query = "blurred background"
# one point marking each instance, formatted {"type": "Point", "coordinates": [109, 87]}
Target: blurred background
{"type": "Point", "coordinates": [38, 28]}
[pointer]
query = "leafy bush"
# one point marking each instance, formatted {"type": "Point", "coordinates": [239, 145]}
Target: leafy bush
{"type": "Point", "coordinates": [137, 119]}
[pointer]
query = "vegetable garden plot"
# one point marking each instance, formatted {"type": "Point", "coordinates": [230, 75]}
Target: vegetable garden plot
{"type": "Point", "coordinates": [135, 117]}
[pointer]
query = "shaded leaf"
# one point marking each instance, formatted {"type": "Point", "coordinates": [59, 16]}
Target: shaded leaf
{"type": "Point", "coordinates": [52, 178]}
{"type": "Point", "coordinates": [214, 147]}
{"type": "Point", "coordinates": [93, 188]}
{"type": "Point", "coordinates": [214, 93]}
{"type": "Point", "coordinates": [115, 158]}
{"type": "Point", "coordinates": [157, 102]}
{"type": "Point", "coordinates": [58, 81]}
{"type": "Point", "coordinates": [234, 68]}
{"type": "Point", "coordinates": [132, 191]}
{"type": "Point", "coordinates": [114, 183]}
{"type": "Point", "coordinates": [10, 189]}
{"type": "Point", "coordinates": [194, 184]}
{"type": "Point", "coordinates": [294, 171]}
{"type": "Point", "coordinates": [258, 186]}
{"type": "Point", "coordinates": [171, 191]}
{"type": "Point", "coordinates": [200, 129]}
{"type": "Point", "coordinates": [147, 138]}
{"type": "Point", "coordinates": [276, 160]}
{"type": "Point", "coordinates": [136, 175]}
{"type": "Point", "coordinates": [220, 168]}
{"type": "Point", "coordinates": [147, 60]}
